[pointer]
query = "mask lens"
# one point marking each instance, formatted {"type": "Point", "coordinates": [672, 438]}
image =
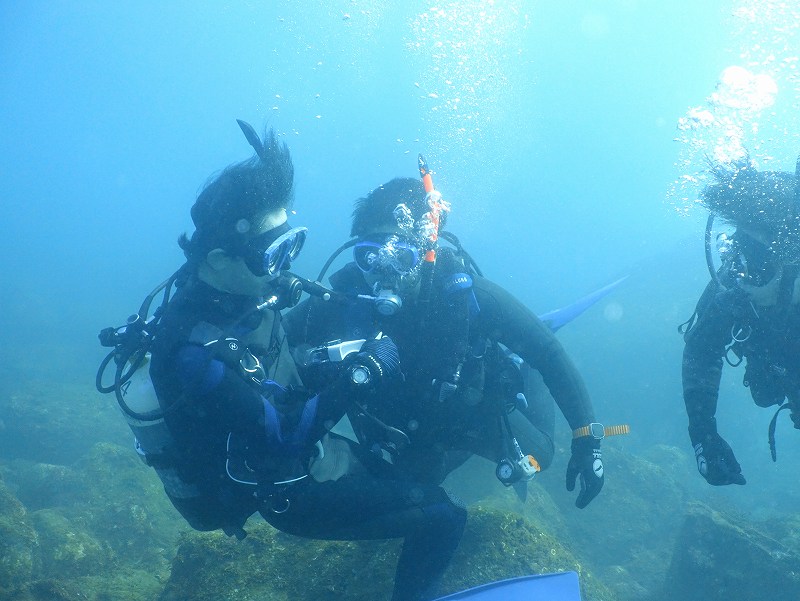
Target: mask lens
{"type": "Point", "coordinates": [284, 250]}
{"type": "Point", "coordinates": [755, 263]}
{"type": "Point", "coordinates": [283, 244]}
{"type": "Point", "coordinates": [366, 255]}
{"type": "Point", "coordinates": [407, 258]}
{"type": "Point", "coordinates": [391, 255]}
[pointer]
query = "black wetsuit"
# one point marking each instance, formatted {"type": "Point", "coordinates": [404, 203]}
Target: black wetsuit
{"type": "Point", "coordinates": [769, 342]}
{"type": "Point", "coordinates": [226, 429]}
{"type": "Point", "coordinates": [208, 400]}
{"type": "Point", "coordinates": [462, 332]}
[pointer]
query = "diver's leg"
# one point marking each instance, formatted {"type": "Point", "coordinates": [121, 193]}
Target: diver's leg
{"type": "Point", "coordinates": [531, 440]}
{"type": "Point", "coordinates": [541, 405]}
{"type": "Point", "coordinates": [225, 508]}
{"type": "Point", "coordinates": [536, 436]}
{"type": "Point", "coordinates": [366, 508]}
{"type": "Point", "coordinates": [427, 552]}
{"type": "Point", "coordinates": [532, 426]}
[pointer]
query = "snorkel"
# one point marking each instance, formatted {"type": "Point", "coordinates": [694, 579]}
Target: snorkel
{"type": "Point", "coordinates": [395, 249]}
{"type": "Point", "coordinates": [430, 224]}
{"type": "Point", "coordinates": [423, 235]}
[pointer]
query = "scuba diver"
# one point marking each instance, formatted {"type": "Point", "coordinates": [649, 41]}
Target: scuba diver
{"type": "Point", "coordinates": [750, 311]}
{"type": "Point", "coordinates": [210, 389]}
{"type": "Point", "coordinates": [468, 350]}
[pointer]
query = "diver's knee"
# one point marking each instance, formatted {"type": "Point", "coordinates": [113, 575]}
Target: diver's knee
{"type": "Point", "coordinates": [546, 451]}
{"type": "Point", "coordinates": [540, 446]}
{"type": "Point", "coordinates": [545, 456]}
{"type": "Point", "coordinates": [447, 514]}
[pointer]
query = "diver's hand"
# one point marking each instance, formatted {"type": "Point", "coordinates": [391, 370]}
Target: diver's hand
{"type": "Point", "coordinates": [377, 362]}
{"type": "Point", "coordinates": [586, 462]}
{"type": "Point", "coordinates": [716, 462]}
{"type": "Point", "coordinates": [794, 413]}
{"type": "Point", "coordinates": [715, 459]}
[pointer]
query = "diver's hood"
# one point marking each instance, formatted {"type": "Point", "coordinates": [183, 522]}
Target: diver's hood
{"type": "Point", "coordinates": [767, 202]}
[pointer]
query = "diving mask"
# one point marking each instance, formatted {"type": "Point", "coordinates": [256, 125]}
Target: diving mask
{"type": "Point", "coordinates": [392, 255]}
{"type": "Point", "coordinates": [390, 268]}
{"type": "Point", "coordinates": [274, 250]}
{"type": "Point", "coordinates": [749, 261]}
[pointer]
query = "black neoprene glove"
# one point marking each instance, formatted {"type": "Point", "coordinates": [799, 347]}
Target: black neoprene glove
{"type": "Point", "coordinates": [377, 362]}
{"type": "Point", "coordinates": [795, 415]}
{"type": "Point", "coordinates": [586, 462]}
{"type": "Point", "coordinates": [715, 459]}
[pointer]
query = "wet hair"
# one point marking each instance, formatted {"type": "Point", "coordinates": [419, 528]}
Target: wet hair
{"type": "Point", "coordinates": [762, 202]}
{"type": "Point", "coordinates": [378, 208]}
{"type": "Point", "coordinates": [236, 199]}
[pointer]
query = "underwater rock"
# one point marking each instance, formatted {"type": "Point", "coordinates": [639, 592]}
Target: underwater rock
{"type": "Point", "coordinates": [633, 522]}
{"type": "Point", "coordinates": [67, 548]}
{"type": "Point", "coordinates": [18, 542]}
{"type": "Point", "coordinates": [119, 584]}
{"type": "Point", "coordinates": [58, 424]}
{"type": "Point", "coordinates": [717, 557]}
{"type": "Point", "coordinates": [126, 506]}
{"type": "Point", "coordinates": [498, 545]}
{"type": "Point", "coordinates": [475, 483]}
{"type": "Point", "coordinates": [48, 590]}
{"type": "Point", "coordinates": [107, 533]}
{"type": "Point", "coordinates": [271, 565]}
{"type": "Point", "coordinates": [108, 495]}
{"type": "Point", "coordinates": [44, 485]}
{"type": "Point", "coordinates": [785, 529]}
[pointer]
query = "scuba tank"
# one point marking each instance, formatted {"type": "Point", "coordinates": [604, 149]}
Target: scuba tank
{"type": "Point", "coordinates": [152, 436]}
{"type": "Point", "coordinates": [132, 386]}
{"type": "Point", "coordinates": [131, 343]}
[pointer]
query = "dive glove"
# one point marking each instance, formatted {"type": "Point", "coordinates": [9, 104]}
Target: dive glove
{"type": "Point", "coordinates": [377, 361]}
{"type": "Point", "coordinates": [586, 462]}
{"type": "Point", "coordinates": [715, 459]}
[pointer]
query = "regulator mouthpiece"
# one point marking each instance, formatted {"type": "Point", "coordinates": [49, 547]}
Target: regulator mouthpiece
{"type": "Point", "coordinates": [387, 303]}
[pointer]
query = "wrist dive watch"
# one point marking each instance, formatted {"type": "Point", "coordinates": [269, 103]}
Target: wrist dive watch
{"type": "Point", "coordinates": [597, 431]}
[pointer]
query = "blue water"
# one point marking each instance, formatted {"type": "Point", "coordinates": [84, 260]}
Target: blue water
{"type": "Point", "coordinates": [551, 128]}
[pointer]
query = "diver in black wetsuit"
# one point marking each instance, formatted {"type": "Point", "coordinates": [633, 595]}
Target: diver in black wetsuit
{"type": "Point", "coordinates": [240, 433]}
{"type": "Point", "coordinates": [750, 311]}
{"type": "Point", "coordinates": [460, 346]}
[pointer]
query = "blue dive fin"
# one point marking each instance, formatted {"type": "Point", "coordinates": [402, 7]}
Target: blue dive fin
{"type": "Point", "coordinates": [547, 587]}
{"type": "Point", "coordinates": [560, 317]}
